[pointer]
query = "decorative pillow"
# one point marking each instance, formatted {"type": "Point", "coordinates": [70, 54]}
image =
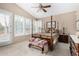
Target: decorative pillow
{"type": "Point", "coordinates": [37, 39]}
{"type": "Point", "coordinates": [47, 30]}
{"type": "Point", "coordinates": [53, 30]}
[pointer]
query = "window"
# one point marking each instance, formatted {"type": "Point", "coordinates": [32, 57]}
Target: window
{"type": "Point", "coordinates": [22, 25]}
{"type": "Point", "coordinates": [37, 26]}
{"type": "Point", "coordinates": [28, 24]}
{"type": "Point", "coordinates": [4, 23]}
{"type": "Point", "coordinates": [18, 25]}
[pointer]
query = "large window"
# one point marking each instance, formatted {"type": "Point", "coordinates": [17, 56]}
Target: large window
{"type": "Point", "coordinates": [18, 25]}
{"type": "Point", "coordinates": [4, 23]}
{"type": "Point", "coordinates": [37, 26]}
{"type": "Point", "coordinates": [28, 26]}
{"type": "Point", "coordinates": [22, 25]}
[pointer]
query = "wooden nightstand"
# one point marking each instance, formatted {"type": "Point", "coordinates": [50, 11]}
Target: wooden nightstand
{"type": "Point", "coordinates": [63, 38]}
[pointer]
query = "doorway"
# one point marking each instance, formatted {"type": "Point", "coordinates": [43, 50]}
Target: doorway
{"type": "Point", "coordinates": [5, 28]}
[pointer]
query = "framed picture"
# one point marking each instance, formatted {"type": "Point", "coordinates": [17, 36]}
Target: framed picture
{"type": "Point", "coordinates": [77, 25]}
{"type": "Point", "coordinates": [53, 24]}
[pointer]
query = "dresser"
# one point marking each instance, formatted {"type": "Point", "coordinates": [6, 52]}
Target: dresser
{"type": "Point", "coordinates": [63, 38]}
{"type": "Point", "coordinates": [74, 45]}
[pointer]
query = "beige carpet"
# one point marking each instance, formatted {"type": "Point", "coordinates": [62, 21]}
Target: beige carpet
{"type": "Point", "coordinates": [22, 49]}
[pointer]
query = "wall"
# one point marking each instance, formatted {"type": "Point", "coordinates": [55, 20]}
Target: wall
{"type": "Point", "coordinates": [66, 20]}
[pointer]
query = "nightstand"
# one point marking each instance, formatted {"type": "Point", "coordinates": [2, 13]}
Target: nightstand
{"type": "Point", "coordinates": [63, 38]}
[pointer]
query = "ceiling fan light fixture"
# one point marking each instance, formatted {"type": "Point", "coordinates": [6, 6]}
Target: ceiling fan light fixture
{"type": "Point", "coordinates": [41, 7]}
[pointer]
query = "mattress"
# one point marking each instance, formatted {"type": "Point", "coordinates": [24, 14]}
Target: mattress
{"type": "Point", "coordinates": [49, 34]}
{"type": "Point", "coordinates": [54, 35]}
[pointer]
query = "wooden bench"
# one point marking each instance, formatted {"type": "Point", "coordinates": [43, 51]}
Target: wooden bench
{"type": "Point", "coordinates": [37, 42]}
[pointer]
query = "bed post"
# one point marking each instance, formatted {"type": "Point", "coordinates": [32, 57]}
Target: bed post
{"type": "Point", "coordinates": [32, 29]}
{"type": "Point", "coordinates": [51, 36]}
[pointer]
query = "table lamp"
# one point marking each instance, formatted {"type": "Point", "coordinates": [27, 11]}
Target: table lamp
{"type": "Point", "coordinates": [77, 33]}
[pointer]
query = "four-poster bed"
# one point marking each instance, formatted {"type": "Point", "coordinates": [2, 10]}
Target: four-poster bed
{"type": "Point", "coordinates": [51, 36]}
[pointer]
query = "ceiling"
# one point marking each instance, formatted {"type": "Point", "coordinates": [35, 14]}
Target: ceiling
{"type": "Point", "coordinates": [55, 9]}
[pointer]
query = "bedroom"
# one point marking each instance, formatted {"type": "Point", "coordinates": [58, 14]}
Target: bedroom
{"type": "Point", "coordinates": [22, 20]}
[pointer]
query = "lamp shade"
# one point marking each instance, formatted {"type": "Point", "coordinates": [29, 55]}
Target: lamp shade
{"type": "Point", "coordinates": [77, 33]}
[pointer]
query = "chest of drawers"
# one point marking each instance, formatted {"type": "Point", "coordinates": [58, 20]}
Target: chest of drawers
{"type": "Point", "coordinates": [74, 45]}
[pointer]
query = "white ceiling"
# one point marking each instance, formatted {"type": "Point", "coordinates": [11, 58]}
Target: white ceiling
{"type": "Point", "coordinates": [55, 9]}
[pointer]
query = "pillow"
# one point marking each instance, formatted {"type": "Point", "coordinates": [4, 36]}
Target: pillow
{"type": "Point", "coordinates": [37, 39]}
{"type": "Point", "coordinates": [47, 30]}
{"type": "Point", "coordinates": [53, 30]}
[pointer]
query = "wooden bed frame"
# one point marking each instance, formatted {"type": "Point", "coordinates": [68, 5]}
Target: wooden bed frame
{"type": "Point", "coordinates": [49, 39]}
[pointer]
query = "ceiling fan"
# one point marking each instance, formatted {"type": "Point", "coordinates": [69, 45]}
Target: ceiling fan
{"type": "Point", "coordinates": [42, 7]}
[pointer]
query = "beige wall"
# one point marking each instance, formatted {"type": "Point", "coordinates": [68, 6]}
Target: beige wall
{"type": "Point", "coordinates": [66, 20]}
{"type": "Point", "coordinates": [12, 7]}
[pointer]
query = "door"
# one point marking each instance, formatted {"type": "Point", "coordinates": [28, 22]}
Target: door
{"type": "Point", "coordinates": [5, 30]}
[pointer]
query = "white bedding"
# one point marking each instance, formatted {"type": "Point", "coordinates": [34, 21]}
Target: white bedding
{"type": "Point", "coordinates": [49, 34]}
{"type": "Point", "coordinates": [54, 36]}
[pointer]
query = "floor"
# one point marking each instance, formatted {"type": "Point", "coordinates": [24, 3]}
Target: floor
{"type": "Point", "coordinates": [22, 49]}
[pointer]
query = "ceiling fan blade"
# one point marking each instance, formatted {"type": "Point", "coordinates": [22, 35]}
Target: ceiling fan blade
{"type": "Point", "coordinates": [46, 6]}
{"type": "Point", "coordinates": [35, 7]}
{"type": "Point", "coordinates": [44, 10]}
{"type": "Point", "coordinates": [40, 5]}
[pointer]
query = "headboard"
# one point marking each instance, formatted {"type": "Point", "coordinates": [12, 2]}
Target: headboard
{"type": "Point", "coordinates": [54, 30]}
